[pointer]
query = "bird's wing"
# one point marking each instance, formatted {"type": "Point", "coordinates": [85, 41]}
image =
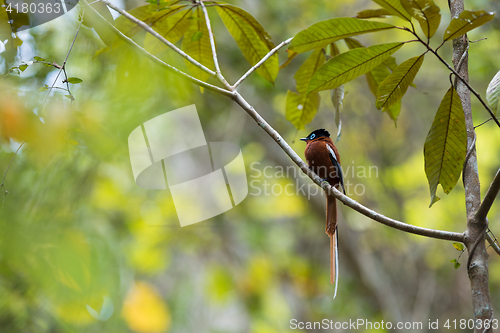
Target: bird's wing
{"type": "Point", "coordinates": [336, 164]}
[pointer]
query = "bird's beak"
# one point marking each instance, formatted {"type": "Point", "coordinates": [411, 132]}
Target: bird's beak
{"type": "Point", "coordinates": [304, 139]}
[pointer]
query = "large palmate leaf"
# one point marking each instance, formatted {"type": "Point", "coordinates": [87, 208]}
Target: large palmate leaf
{"type": "Point", "coordinates": [468, 20]}
{"type": "Point", "coordinates": [493, 93]}
{"type": "Point", "coordinates": [371, 13]}
{"type": "Point", "coordinates": [253, 41]}
{"type": "Point", "coordinates": [349, 65]}
{"type": "Point", "coordinates": [196, 43]}
{"type": "Point", "coordinates": [171, 27]}
{"type": "Point", "coordinates": [307, 70]}
{"type": "Point", "coordinates": [393, 88]}
{"type": "Point", "coordinates": [301, 109]}
{"type": "Point", "coordinates": [426, 12]}
{"type": "Point", "coordinates": [325, 32]}
{"type": "Point", "coordinates": [395, 7]}
{"type": "Point", "coordinates": [446, 145]}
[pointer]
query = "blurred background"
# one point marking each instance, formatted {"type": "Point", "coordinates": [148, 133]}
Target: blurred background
{"type": "Point", "coordinates": [84, 249]}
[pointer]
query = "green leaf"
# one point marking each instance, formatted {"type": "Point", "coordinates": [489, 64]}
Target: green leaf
{"type": "Point", "coordinates": [253, 41]}
{"type": "Point", "coordinates": [23, 67]}
{"type": "Point", "coordinates": [454, 260]}
{"type": "Point", "coordinates": [446, 145]}
{"type": "Point", "coordinates": [426, 12]}
{"type": "Point", "coordinates": [390, 62]}
{"type": "Point", "coordinates": [196, 43]}
{"type": "Point", "coordinates": [334, 50]}
{"type": "Point", "coordinates": [395, 7]}
{"type": "Point", "coordinates": [37, 58]}
{"type": "Point", "coordinates": [349, 65]}
{"type": "Point", "coordinates": [307, 70]}
{"type": "Point", "coordinates": [74, 80]}
{"type": "Point", "coordinates": [493, 93]}
{"type": "Point", "coordinates": [393, 88]}
{"type": "Point", "coordinates": [394, 111]}
{"type": "Point", "coordinates": [370, 13]}
{"type": "Point", "coordinates": [301, 109]}
{"type": "Point", "coordinates": [148, 14]}
{"type": "Point", "coordinates": [456, 265]}
{"type": "Point", "coordinates": [43, 88]}
{"type": "Point", "coordinates": [170, 25]}
{"type": "Point", "coordinates": [458, 246]}
{"type": "Point", "coordinates": [468, 20]}
{"type": "Point", "coordinates": [325, 32]}
{"type": "Point", "coordinates": [196, 36]}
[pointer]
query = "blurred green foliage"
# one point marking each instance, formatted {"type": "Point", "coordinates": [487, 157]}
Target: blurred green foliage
{"type": "Point", "coordinates": [75, 230]}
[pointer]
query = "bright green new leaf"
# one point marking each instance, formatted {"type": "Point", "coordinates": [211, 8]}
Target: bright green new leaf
{"type": "Point", "coordinates": [456, 265]}
{"type": "Point", "coordinates": [74, 80]}
{"type": "Point", "coordinates": [393, 88]}
{"type": "Point", "coordinates": [307, 70]}
{"type": "Point", "coordinates": [371, 13]}
{"type": "Point", "coordinates": [458, 246]}
{"type": "Point", "coordinates": [198, 48]}
{"type": "Point", "coordinates": [395, 7]}
{"type": "Point", "coordinates": [301, 109]}
{"type": "Point", "coordinates": [23, 67]}
{"type": "Point", "coordinates": [493, 93]}
{"type": "Point", "coordinates": [172, 27]}
{"type": "Point", "coordinates": [253, 41]}
{"type": "Point", "coordinates": [325, 32]}
{"type": "Point", "coordinates": [446, 145]}
{"type": "Point", "coordinates": [37, 58]}
{"type": "Point", "coordinates": [426, 12]}
{"type": "Point", "coordinates": [43, 88]}
{"type": "Point", "coordinates": [468, 20]}
{"type": "Point", "coordinates": [349, 65]}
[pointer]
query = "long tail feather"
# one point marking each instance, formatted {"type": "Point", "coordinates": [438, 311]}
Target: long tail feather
{"type": "Point", "coordinates": [331, 228]}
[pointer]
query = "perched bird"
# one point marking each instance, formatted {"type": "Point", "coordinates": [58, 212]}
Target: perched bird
{"type": "Point", "coordinates": [323, 159]}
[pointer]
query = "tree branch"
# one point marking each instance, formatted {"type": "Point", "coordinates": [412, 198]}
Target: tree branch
{"type": "Point", "coordinates": [234, 95]}
{"type": "Point", "coordinates": [214, 51]}
{"type": "Point", "coordinates": [158, 36]}
{"type": "Point", "coordinates": [489, 198]}
{"type": "Point", "coordinates": [261, 61]}
{"type": "Point", "coordinates": [160, 62]}
{"type": "Point", "coordinates": [446, 235]}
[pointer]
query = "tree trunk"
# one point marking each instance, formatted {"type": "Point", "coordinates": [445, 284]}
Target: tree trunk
{"type": "Point", "coordinates": [478, 269]}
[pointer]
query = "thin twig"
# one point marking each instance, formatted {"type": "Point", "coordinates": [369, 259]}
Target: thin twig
{"type": "Point", "coordinates": [8, 167]}
{"type": "Point", "coordinates": [158, 36]}
{"type": "Point", "coordinates": [161, 62]}
{"type": "Point", "coordinates": [493, 241]}
{"type": "Point", "coordinates": [261, 61]}
{"type": "Point", "coordinates": [489, 198]}
{"type": "Point", "coordinates": [484, 122]}
{"type": "Point", "coordinates": [60, 70]}
{"type": "Point", "coordinates": [214, 51]}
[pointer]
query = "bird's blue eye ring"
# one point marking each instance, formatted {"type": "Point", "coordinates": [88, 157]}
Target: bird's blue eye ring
{"type": "Point", "coordinates": [312, 136]}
